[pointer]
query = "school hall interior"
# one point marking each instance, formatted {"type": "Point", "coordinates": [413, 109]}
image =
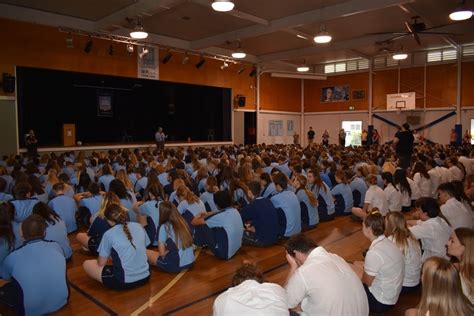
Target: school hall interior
{"type": "Point", "coordinates": [265, 71]}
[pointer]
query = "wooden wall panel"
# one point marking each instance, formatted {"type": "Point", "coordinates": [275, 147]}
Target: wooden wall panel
{"type": "Point", "coordinates": [384, 82]}
{"type": "Point", "coordinates": [467, 91]}
{"type": "Point", "coordinates": [441, 86]}
{"type": "Point", "coordinates": [280, 94]}
{"type": "Point", "coordinates": [312, 89]}
{"type": "Point", "coordinates": [412, 80]}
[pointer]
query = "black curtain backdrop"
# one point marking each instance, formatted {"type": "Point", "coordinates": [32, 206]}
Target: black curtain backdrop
{"type": "Point", "coordinates": [47, 99]}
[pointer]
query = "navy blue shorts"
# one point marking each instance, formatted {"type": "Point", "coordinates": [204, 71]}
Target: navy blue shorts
{"type": "Point", "coordinates": [170, 262]}
{"type": "Point", "coordinates": [109, 279]}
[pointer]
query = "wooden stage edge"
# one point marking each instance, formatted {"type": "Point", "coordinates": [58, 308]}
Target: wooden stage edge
{"type": "Point", "coordinates": [107, 146]}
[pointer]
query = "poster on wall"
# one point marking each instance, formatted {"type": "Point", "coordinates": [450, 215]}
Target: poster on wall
{"type": "Point", "coordinates": [335, 94]}
{"type": "Point", "coordinates": [148, 64]}
{"type": "Point", "coordinates": [104, 103]}
{"type": "Point", "coordinates": [275, 128]}
{"type": "Point", "coordinates": [290, 127]}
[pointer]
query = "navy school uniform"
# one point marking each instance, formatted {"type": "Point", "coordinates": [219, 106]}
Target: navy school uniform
{"type": "Point", "coordinates": [133, 178]}
{"type": "Point", "coordinates": [4, 251]}
{"type": "Point", "coordinates": [129, 265]}
{"type": "Point", "coordinates": [177, 258]}
{"type": "Point", "coordinates": [150, 209]}
{"type": "Point", "coordinates": [96, 231]}
{"type": "Point", "coordinates": [240, 197]}
{"type": "Point", "coordinates": [222, 233]}
{"type": "Point", "coordinates": [23, 208]}
{"type": "Point", "coordinates": [326, 207]}
{"type": "Point", "coordinates": [290, 214]}
{"type": "Point", "coordinates": [66, 208]}
{"type": "Point", "coordinates": [58, 232]}
{"type": "Point", "coordinates": [208, 199]}
{"type": "Point", "coordinates": [190, 211]}
{"type": "Point", "coordinates": [269, 190]}
{"type": "Point", "coordinates": [173, 198]}
{"type": "Point", "coordinates": [359, 188]}
{"type": "Point", "coordinates": [141, 184]}
{"type": "Point", "coordinates": [88, 207]}
{"type": "Point", "coordinates": [326, 179]}
{"type": "Point", "coordinates": [128, 204]}
{"type": "Point", "coordinates": [38, 273]}
{"type": "Point", "coordinates": [309, 213]}
{"type": "Point", "coordinates": [264, 218]}
{"type": "Point", "coordinates": [104, 181]}
{"type": "Point", "coordinates": [344, 201]}
{"type": "Point", "coordinates": [5, 197]}
{"type": "Point", "coordinates": [163, 177]}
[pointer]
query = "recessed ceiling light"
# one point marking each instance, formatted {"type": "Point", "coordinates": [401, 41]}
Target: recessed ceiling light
{"type": "Point", "coordinates": [400, 56]}
{"type": "Point", "coordinates": [223, 5]}
{"type": "Point", "coordinates": [460, 15]}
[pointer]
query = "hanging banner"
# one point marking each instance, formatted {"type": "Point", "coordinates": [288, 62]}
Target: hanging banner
{"type": "Point", "coordinates": [148, 64]}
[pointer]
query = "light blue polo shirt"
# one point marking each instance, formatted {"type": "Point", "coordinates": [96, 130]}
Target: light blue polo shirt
{"type": "Point", "coordinates": [23, 208]}
{"type": "Point", "coordinates": [186, 256]}
{"type": "Point", "coordinates": [194, 208]}
{"type": "Point", "coordinates": [152, 209]}
{"type": "Point", "coordinates": [5, 197]}
{"type": "Point", "coordinates": [58, 233]}
{"type": "Point", "coordinates": [288, 202]}
{"type": "Point", "coordinates": [66, 208]}
{"type": "Point", "coordinates": [358, 184]}
{"type": "Point", "coordinates": [92, 203]}
{"type": "Point", "coordinates": [345, 191]}
{"type": "Point", "coordinates": [207, 197]}
{"type": "Point", "coordinates": [230, 220]}
{"type": "Point", "coordinates": [313, 214]}
{"type": "Point", "coordinates": [105, 181]}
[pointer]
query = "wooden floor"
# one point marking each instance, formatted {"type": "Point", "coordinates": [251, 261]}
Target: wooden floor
{"type": "Point", "coordinates": [194, 291]}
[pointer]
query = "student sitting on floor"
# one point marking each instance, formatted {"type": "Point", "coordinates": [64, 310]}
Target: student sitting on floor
{"type": "Point", "coordinates": [150, 213]}
{"type": "Point", "coordinates": [221, 231]}
{"type": "Point", "coordinates": [64, 206]}
{"type": "Point", "coordinates": [190, 206]}
{"type": "Point", "coordinates": [127, 198]}
{"type": "Point", "coordinates": [126, 244]}
{"type": "Point", "coordinates": [207, 197]}
{"type": "Point", "coordinates": [106, 177]}
{"type": "Point", "coordinates": [308, 203]}
{"type": "Point", "coordinates": [392, 193]}
{"type": "Point", "coordinates": [4, 196]}
{"type": "Point", "coordinates": [384, 267]}
{"type": "Point", "coordinates": [374, 198]}
{"type": "Point", "coordinates": [287, 205]}
{"type": "Point", "coordinates": [441, 291]}
{"type": "Point", "coordinates": [402, 184]}
{"type": "Point", "coordinates": [7, 235]}
{"type": "Point", "coordinates": [23, 202]}
{"type": "Point", "coordinates": [344, 201]}
{"type": "Point", "coordinates": [326, 207]}
{"type": "Point", "coordinates": [397, 231]}
{"type": "Point", "coordinates": [36, 271]}
{"type": "Point", "coordinates": [260, 218]}
{"type": "Point", "coordinates": [452, 209]}
{"type": "Point", "coordinates": [320, 282]}
{"type": "Point", "coordinates": [89, 203]}
{"type": "Point", "coordinates": [267, 185]}
{"type": "Point", "coordinates": [431, 228]}
{"type": "Point", "coordinates": [175, 242]}
{"type": "Point", "coordinates": [250, 295]}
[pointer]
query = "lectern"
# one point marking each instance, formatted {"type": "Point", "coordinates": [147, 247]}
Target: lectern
{"type": "Point", "coordinates": [69, 135]}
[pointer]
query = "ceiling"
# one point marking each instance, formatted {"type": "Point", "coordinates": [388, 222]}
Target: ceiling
{"type": "Point", "coordinates": [266, 29]}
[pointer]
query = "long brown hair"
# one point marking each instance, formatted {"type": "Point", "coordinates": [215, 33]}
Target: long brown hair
{"type": "Point", "coordinates": [169, 214]}
{"type": "Point", "coordinates": [466, 267]}
{"type": "Point", "coordinates": [302, 181]}
{"type": "Point", "coordinates": [396, 226]}
{"type": "Point", "coordinates": [122, 176]}
{"type": "Point", "coordinates": [317, 179]}
{"type": "Point", "coordinates": [107, 199]}
{"type": "Point", "coordinates": [184, 193]}
{"type": "Point", "coordinates": [114, 213]}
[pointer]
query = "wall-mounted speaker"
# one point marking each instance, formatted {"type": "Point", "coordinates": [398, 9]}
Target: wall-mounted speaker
{"type": "Point", "coordinates": [240, 100]}
{"type": "Point", "coordinates": [8, 83]}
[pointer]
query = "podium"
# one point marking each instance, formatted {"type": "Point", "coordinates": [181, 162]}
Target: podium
{"type": "Point", "coordinates": [69, 135]}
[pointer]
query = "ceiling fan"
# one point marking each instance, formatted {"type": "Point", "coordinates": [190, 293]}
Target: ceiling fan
{"type": "Point", "coordinates": [415, 29]}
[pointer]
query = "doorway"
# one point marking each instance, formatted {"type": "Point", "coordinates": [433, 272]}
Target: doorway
{"type": "Point", "coordinates": [250, 128]}
{"type": "Point", "coordinates": [353, 131]}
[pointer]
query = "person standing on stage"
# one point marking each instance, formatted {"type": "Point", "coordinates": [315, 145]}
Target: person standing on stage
{"type": "Point", "coordinates": [160, 138]}
{"type": "Point", "coordinates": [404, 146]}
{"type": "Point", "coordinates": [311, 134]}
{"type": "Point", "coordinates": [31, 143]}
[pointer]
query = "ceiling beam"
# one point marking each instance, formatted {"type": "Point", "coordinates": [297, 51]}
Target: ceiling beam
{"type": "Point", "coordinates": [357, 53]}
{"type": "Point", "coordinates": [345, 9]}
{"type": "Point", "coordinates": [312, 50]}
{"type": "Point", "coordinates": [237, 13]}
{"type": "Point", "coordinates": [142, 7]}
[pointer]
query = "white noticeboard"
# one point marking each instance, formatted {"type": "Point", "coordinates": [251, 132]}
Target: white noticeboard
{"type": "Point", "coordinates": [401, 101]}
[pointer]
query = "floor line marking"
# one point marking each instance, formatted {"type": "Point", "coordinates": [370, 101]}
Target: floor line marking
{"type": "Point", "coordinates": [93, 299]}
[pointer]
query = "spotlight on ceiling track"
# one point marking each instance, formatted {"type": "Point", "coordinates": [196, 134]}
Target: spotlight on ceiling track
{"type": "Point", "coordinates": [88, 47]}
{"type": "Point", "coordinates": [200, 63]}
{"type": "Point", "coordinates": [167, 57]}
{"type": "Point", "coordinates": [130, 48]}
{"type": "Point", "coordinates": [241, 70]}
{"type": "Point", "coordinates": [222, 5]}
{"type": "Point", "coordinates": [69, 41]}
{"type": "Point", "coordinates": [185, 59]}
{"type": "Point", "coordinates": [224, 65]}
{"type": "Point", "coordinates": [253, 72]}
{"type": "Point", "coordinates": [144, 52]}
{"type": "Point", "coordinates": [461, 13]}
{"type": "Point", "coordinates": [111, 49]}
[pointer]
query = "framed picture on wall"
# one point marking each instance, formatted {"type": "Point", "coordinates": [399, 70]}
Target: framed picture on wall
{"type": "Point", "coordinates": [358, 95]}
{"type": "Point", "coordinates": [275, 128]}
{"type": "Point", "coordinates": [335, 94]}
{"type": "Point", "coordinates": [104, 103]}
{"type": "Point", "coordinates": [290, 127]}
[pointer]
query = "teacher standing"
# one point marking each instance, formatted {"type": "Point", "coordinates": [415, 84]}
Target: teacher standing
{"type": "Point", "coordinates": [160, 138]}
{"type": "Point", "coordinates": [31, 143]}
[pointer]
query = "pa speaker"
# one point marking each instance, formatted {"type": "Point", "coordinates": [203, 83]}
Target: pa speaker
{"type": "Point", "coordinates": [241, 100]}
{"type": "Point", "coordinates": [8, 83]}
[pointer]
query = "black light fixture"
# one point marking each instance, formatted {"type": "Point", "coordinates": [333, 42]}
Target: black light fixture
{"type": "Point", "coordinates": [111, 49]}
{"type": "Point", "coordinates": [167, 57]}
{"type": "Point", "coordinates": [241, 70]}
{"type": "Point", "coordinates": [88, 47]}
{"type": "Point", "coordinates": [253, 72]}
{"type": "Point", "coordinates": [201, 62]}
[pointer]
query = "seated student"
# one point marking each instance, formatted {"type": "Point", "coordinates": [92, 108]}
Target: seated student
{"type": "Point", "coordinates": [260, 218]}
{"type": "Point", "coordinates": [239, 193]}
{"type": "Point", "coordinates": [267, 186]}
{"type": "Point", "coordinates": [142, 181]}
{"type": "Point", "coordinates": [4, 196]}
{"type": "Point", "coordinates": [287, 205]}
{"type": "Point", "coordinates": [23, 202]}
{"type": "Point", "coordinates": [207, 197]}
{"type": "Point", "coordinates": [175, 242]}
{"type": "Point", "coordinates": [374, 198]}
{"type": "Point", "coordinates": [190, 206]}
{"type": "Point", "coordinates": [68, 187]}
{"type": "Point", "coordinates": [126, 244]}
{"type": "Point", "coordinates": [37, 271]}
{"type": "Point", "coordinates": [8, 178]}
{"type": "Point", "coordinates": [441, 291]}
{"type": "Point", "coordinates": [201, 177]}
{"type": "Point", "coordinates": [460, 246]}
{"type": "Point", "coordinates": [422, 179]}
{"type": "Point", "coordinates": [320, 282]}
{"type": "Point", "coordinates": [326, 207]}
{"type": "Point", "coordinates": [401, 183]}
{"type": "Point", "coordinates": [308, 203]}
{"type": "Point", "coordinates": [344, 201]}
{"type": "Point", "coordinates": [106, 177]}
{"type": "Point", "coordinates": [37, 190]}
{"type": "Point", "coordinates": [250, 295]}
{"type": "Point", "coordinates": [221, 231]}
{"type": "Point", "coordinates": [127, 198]}
{"type": "Point", "coordinates": [64, 206]}
{"type": "Point", "coordinates": [89, 202]}
{"type": "Point", "coordinates": [55, 227]}
{"type": "Point", "coordinates": [452, 209]}
{"type": "Point", "coordinates": [384, 266]}
{"type": "Point", "coordinates": [397, 231]}
{"type": "Point", "coordinates": [431, 228]}
{"type": "Point", "coordinates": [149, 210]}
{"type": "Point", "coordinates": [359, 188]}
{"type": "Point", "coordinates": [7, 235]}
{"type": "Point", "coordinates": [392, 193]}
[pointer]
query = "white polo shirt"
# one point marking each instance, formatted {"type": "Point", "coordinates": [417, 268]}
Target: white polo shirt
{"type": "Point", "coordinates": [252, 298]}
{"type": "Point", "coordinates": [444, 173]}
{"type": "Point", "coordinates": [415, 190]}
{"type": "Point", "coordinates": [456, 213]}
{"type": "Point", "coordinates": [435, 179]}
{"type": "Point", "coordinates": [423, 184]}
{"type": "Point", "coordinates": [394, 198]}
{"type": "Point", "coordinates": [434, 234]}
{"type": "Point", "coordinates": [386, 263]}
{"type": "Point", "coordinates": [375, 197]}
{"type": "Point", "coordinates": [412, 262]}
{"type": "Point", "coordinates": [326, 285]}
{"type": "Point", "coordinates": [456, 173]}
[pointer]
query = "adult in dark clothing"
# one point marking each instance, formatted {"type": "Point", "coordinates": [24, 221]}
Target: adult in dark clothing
{"type": "Point", "coordinates": [31, 143]}
{"type": "Point", "coordinates": [311, 135]}
{"type": "Point", "coordinates": [404, 145]}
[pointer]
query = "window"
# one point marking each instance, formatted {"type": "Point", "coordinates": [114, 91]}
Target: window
{"type": "Point", "coordinates": [353, 131]}
{"type": "Point", "coordinates": [344, 66]}
{"type": "Point", "coordinates": [328, 68]}
{"type": "Point", "coordinates": [441, 55]}
{"type": "Point", "coordinates": [340, 67]}
{"type": "Point", "coordinates": [468, 51]}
